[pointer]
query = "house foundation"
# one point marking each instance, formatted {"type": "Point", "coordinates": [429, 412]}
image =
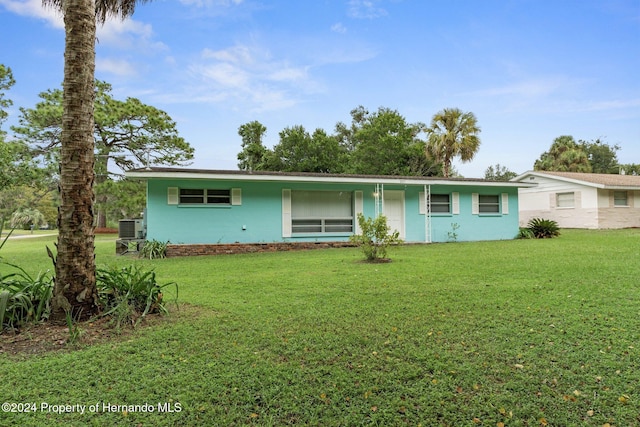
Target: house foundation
{"type": "Point", "coordinates": [176, 250]}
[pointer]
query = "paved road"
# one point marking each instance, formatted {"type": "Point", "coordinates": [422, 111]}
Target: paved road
{"type": "Point", "coordinates": [26, 236]}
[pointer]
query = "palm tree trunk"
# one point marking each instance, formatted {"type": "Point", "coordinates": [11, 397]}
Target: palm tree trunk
{"type": "Point", "coordinates": [75, 283]}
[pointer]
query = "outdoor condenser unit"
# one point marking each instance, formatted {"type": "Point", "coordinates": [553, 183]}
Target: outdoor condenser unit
{"type": "Point", "coordinates": [130, 229]}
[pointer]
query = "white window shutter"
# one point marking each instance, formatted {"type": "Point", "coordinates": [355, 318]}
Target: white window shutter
{"type": "Point", "coordinates": [173, 195]}
{"type": "Point", "coordinates": [236, 196]}
{"type": "Point", "coordinates": [475, 203]}
{"type": "Point", "coordinates": [422, 207]}
{"type": "Point", "coordinates": [505, 203]}
{"type": "Point", "coordinates": [359, 209]}
{"type": "Point", "coordinates": [455, 203]}
{"type": "Point", "coordinates": [286, 213]}
{"type": "Point", "coordinates": [552, 200]}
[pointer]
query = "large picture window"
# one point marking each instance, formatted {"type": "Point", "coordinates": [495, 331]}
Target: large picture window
{"type": "Point", "coordinates": [321, 212]}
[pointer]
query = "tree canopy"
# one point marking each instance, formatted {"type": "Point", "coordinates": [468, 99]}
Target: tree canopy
{"type": "Point", "coordinates": [129, 132]}
{"type": "Point", "coordinates": [19, 173]}
{"type": "Point", "coordinates": [567, 155]}
{"type": "Point", "coordinates": [253, 151]}
{"type": "Point", "coordinates": [6, 81]}
{"type": "Point", "coordinates": [384, 143]}
{"type": "Point", "coordinates": [379, 143]}
{"type": "Point", "coordinates": [499, 173]}
{"type": "Point", "coordinates": [602, 157]}
{"type": "Point", "coordinates": [300, 151]}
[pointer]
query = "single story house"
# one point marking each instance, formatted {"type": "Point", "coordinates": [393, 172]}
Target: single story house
{"type": "Point", "coordinates": [580, 200]}
{"type": "Point", "coordinates": [194, 206]}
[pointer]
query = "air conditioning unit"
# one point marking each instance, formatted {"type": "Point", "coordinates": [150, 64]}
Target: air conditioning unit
{"type": "Point", "coordinates": [130, 229]}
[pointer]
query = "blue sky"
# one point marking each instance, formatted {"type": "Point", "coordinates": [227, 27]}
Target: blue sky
{"type": "Point", "coordinates": [529, 70]}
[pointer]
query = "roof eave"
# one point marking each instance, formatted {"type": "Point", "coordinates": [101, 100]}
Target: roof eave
{"type": "Point", "coordinates": [520, 177]}
{"type": "Point", "coordinates": [213, 175]}
{"type": "Point", "coordinates": [559, 178]}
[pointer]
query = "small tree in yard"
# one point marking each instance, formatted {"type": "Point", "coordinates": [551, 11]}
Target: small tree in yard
{"type": "Point", "coordinates": [375, 238]}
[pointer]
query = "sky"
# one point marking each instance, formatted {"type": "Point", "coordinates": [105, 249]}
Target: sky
{"type": "Point", "coordinates": [529, 70]}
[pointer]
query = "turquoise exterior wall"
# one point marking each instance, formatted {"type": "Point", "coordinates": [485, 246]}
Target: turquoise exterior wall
{"type": "Point", "coordinates": [258, 219]}
{"type": "Point", "coordinates": [479, 226]}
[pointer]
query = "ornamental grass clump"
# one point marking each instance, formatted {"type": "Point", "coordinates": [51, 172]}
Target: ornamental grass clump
{"type": "Point", "coordinates": [154, 249]}
{"type": "Point", "coordinates": [375, 238]}
{"type": "Point", "coordinates": [128, 294]}
{"type": "Point", "coordinates": [24, 298]}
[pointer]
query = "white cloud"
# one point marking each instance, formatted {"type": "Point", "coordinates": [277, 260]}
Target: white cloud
{"type": "Point", "coordinates": [119, 33]}
{"type": "Point", "coordinates": [128, 34]}
{"type": "Point", "coordinates": [248, 77]}
{"type": "Point", "coordinates": [211, 3]}
{"type": "Point", "coordinates": [223, 75]}
{"type": "Point", "coordinates": [339, 28]}
{"type": "Point", "coordinates": [607, 105]}
{"type": "Point", "coordinates": [119, 67]}
{"type": "Point", "coordinates": [238, 54]}
{"type": "Point", "coordinates": [533, 88]}
{"type": "Point", "coordinates": [290, 74]}
{"type": "Point", "coordinates": [35, 9]}
{"type": "Point", "coordinates": [365, 9]}
{"type": "Point", "coordinates": [552, 95]}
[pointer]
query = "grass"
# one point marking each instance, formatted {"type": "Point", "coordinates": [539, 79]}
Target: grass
{"type": "Point", "coordinates": [514, 333]}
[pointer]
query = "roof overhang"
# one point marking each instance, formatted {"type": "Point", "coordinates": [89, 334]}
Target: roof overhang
{"type": "Point", "coordinates": [264, 176]}
{"type": "Point", "coordinates": [533, 174]}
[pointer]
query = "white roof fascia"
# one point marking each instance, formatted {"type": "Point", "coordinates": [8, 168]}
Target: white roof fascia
{"type": "Point", "coordinates": [556, 177]}
{"type": "Point", "coordinates": [573, 181]}
{"type": "Point", "coordinates": [316, 179]}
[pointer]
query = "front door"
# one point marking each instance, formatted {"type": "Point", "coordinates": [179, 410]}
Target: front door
{"type": "Point", "coordinates": [394, 210]}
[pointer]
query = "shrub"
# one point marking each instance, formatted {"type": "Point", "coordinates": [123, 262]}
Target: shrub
{"type": "Point", "coordinates": [153, 249]}
{"type": "Point", "coordinates": [128, 294]}
{"type": "Point", "coordinates": [24, 298]}
{"type": "Point", "coordinates": [375, 238]}
{"type": "Point", "coordinates": [453, 234]}
{"type": "Point", "coordinates": [525, 233]}
{"type": "Point", "coordinates": [543, 228]}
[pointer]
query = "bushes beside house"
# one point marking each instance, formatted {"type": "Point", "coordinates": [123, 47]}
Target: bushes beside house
{"type": "Point", "coordinates": [539, 228]}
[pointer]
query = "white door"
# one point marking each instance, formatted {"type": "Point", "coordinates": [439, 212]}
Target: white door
{"type": "Point", "coordinates": [394, 210]}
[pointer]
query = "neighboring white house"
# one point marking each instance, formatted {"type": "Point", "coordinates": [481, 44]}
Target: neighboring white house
{"type": "Point", "coordinates": [580, 200]}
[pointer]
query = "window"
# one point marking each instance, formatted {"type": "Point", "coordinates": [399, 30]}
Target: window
{"type": "Point", "coordinates": [321, 212]}
{"type": "Point", "coordinates": [620, 198]}
{"type": "Point", "coordinates": [565, 200]}
{"type": "Point", "coordinates": [440, 203]}
{"type": "Point", "coordinates": [200, 196]}
{"type": "Point", "coordinates": [488, 203]}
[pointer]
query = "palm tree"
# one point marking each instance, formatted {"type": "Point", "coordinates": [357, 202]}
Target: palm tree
{"type": "Point", "coordinates": [75, 283]}
{"type": "Point", "coordinates": [452, 133]}
{"type": "Point", "coordinates": [27, 216]}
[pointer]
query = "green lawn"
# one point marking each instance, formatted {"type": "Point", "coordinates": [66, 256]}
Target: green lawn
{"type": "Point", "coordinates": [520, 333]}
